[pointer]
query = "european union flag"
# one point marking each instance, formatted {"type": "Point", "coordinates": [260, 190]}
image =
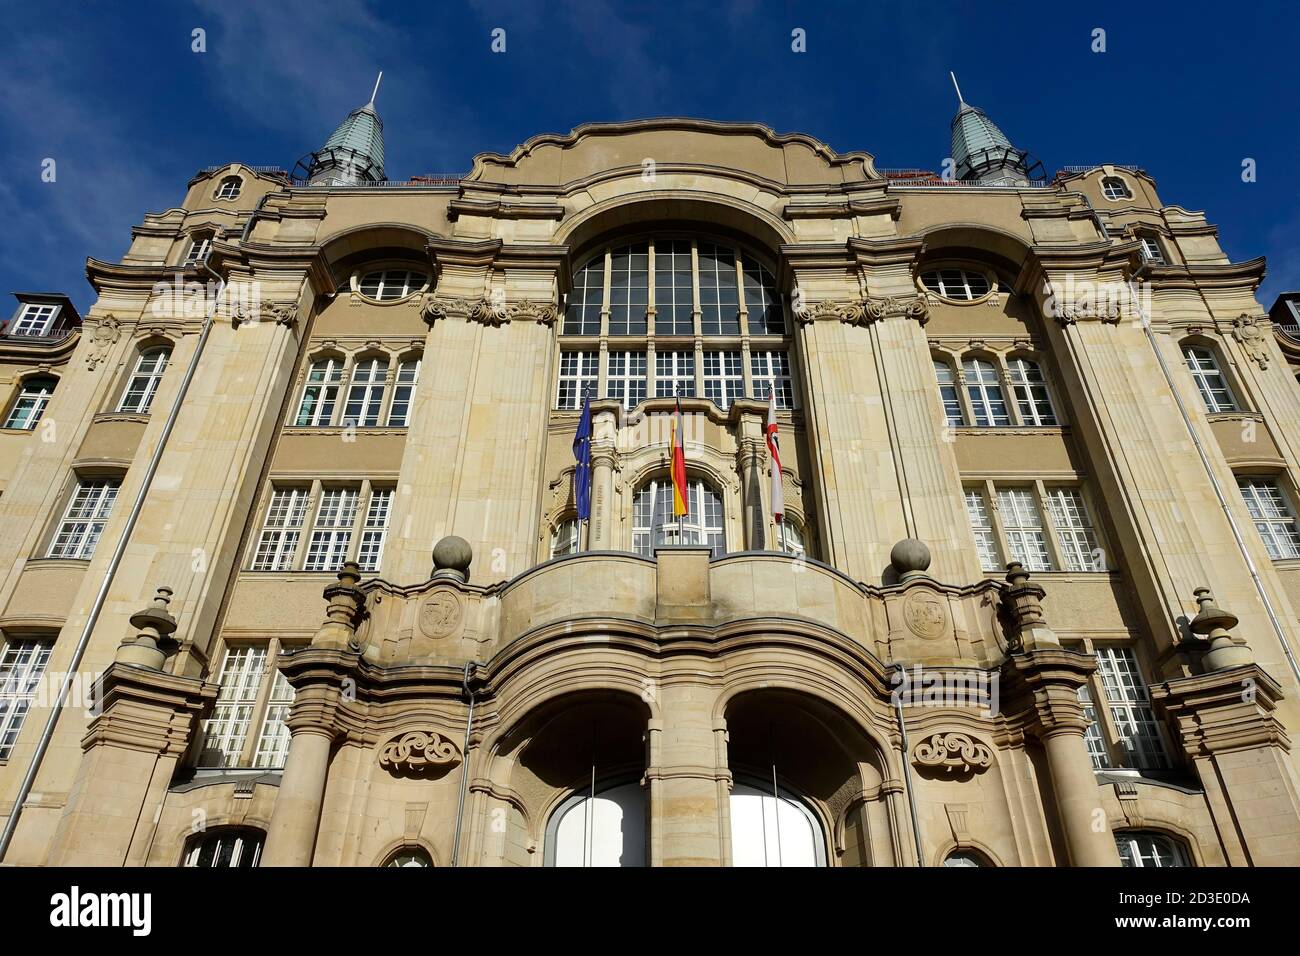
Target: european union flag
{"type": "Point", "coordinates": [582, 452]}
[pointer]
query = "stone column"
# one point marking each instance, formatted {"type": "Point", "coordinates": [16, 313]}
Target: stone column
{"type": "Point", "coordinates": [604, 433]}
{"type": "Point", "coordinates": [291, 838]}
{"type": "Point", "coordinates": [752, 454]}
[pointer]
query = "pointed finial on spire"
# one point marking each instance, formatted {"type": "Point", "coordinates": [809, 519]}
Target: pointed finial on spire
{"type": "Point", "coordinates": [375, 91]}
{"type": "Point", "coordinates": [960, 99]}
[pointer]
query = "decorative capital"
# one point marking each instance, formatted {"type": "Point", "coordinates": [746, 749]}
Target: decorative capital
{"type": "Point", "coordinates": [952, 754]}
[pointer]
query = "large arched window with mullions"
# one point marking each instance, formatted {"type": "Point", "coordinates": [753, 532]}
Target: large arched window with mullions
{"type": "Point", "coordinates": [604, 828]}
{"type": "Point", "coordinates": [653, 523]}
{"type": "Point", "coordinates": [773, 828]}
{"type": "Point", "coordinates": [677, 315]}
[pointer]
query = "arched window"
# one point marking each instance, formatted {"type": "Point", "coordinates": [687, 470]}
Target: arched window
{"type": "Point", "coordinates": [985, 393]}
{"type": "Point", "coordinates": [773, 829]}
{"type": "Point", "coordinates": [1030, 389]}
{"type": "Point", "coordinates": [320, 392]}
{"type": "Point", "coordinates": [29, 404]}
{"type": "Point", "coordinates": [719, 297]}
{"type": "Point", "coordinates": [960, 284]}
{"type": "Point", "coordinates": [1209, 380]}
{"type": "Point", "coordinates": [653, 523]}
{"type": "Point", "coordinates": [629, 289]}
{"type": "Point", "coordinates": [582, 316]}
{"type": "Point", "coordinates": [389, 284]}
{"type": "Point", "coordinates": [230, 188]}
{"type": "Point", "coordinates": [790, 536]}
{"type": "Point", "coordinates": [410, 856]}
{"type": "Point", "coordinates": [605, 830]}
{"type": "Point", "coordinates": [674, 288]}
{"type": "Point", "coordinates": [952, 411]}
{"type": "Point", "coordinates": [1112, 187]}
{"type": "Point", "coordinates": [408, 375]}
{"type": "Point", "coordinates": [366, 393]}
{"type": "Point", "coordinates": [1148, 848]}
{"type": "Point", "coordinates": [565, 539]}
{"type": "Point", "coordinates": [143, 384]}
{"type": "Point", "coordinates": [962, 857]}
{"type": "Point", "coordinates": [225, 847]}
{"type": "Point", "coordinates": [765, 314]}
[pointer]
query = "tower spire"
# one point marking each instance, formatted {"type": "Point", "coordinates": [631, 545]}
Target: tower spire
{"type": "Point", "coordinates": [961, 102]}
{"type": "Point", "coordinates": [982, 153]}
{"type": "Point", "coordinates": [375, 91]}
{"type": "Point", "coordinates": [354, 153]}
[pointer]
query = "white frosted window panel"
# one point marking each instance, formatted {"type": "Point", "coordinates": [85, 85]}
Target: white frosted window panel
{"type": "Point", "coordinates": [1204, 368]}
{"type": "Point", "coordinates": [986, 542]}
{"type": "Point", "coordinates": [375, 529]}
{"type": "Point", "coordinates": [724, 378]}
{"type": "Point", "coordinates": [278, 542]}
{"type": "Point", "coordinates": [273, 740]}
{"type": "Point", "coordinates": [1130, 708]}
{"type": "Point", "coordinates": [240, 680]}
{"type": "Point", "coordinates": [675, 374]}
{"type": "Point", "coordinates": [1024, 529]}
{"type": "Point", "coordinates": [83, 521]}
{"type": "Point", "coordinates": [578, 377]}
{"type": "Point", "coordinates": [653, 523]}
{"type": "Point", "coordinates": [1074, 531]}
{"type": "Point", "coordinates": [1092, 738]}
{"type": "Point", "coordinates": [626, 380]}
{"type": "Point", "coordinates": [22, 665]}
{"type": "Point", "coordinates": [770, 372]}
{"type": "Point", "coordinates": [1032, 397]}
{"type": "Point", "coordinates": [331, 534]}
{"type": "Point", "coordinates": [1273, 517]}
{"type": "Point", "coordinates": [988, 404]}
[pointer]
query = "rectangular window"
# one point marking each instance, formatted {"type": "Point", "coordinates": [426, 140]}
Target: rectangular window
{"type": "Point", "coordinates": [674, 288]}
{"type": "Point", "coordinates": [225, 732]}
{"type": "Point", "coordinates": [578, 377]}
{"type": "Point", "coordinates": [766, 316]}
{"type": "Point", "coordinates": [366, 394]}
{"type": "Point", "coordinates": [1151, 250]}
{"type": "Point", "coordinates": [1092, 737]}
{"type": "Point", "coordinates": [280, 534]}
{"type": "Point", "coordinates": [320, 393]}
{"type": "Point", "coordinates": [1024, 529]}
{"type": "Point", "coordinates": [1130, 708]}
{"type": "Point", "coordinates": [144, 382]}
{"type": "Point", "coordinates": [1273, 516]}
{"type": "Point", "coordinates": [953, 415]}
{"type": "Point", "coordinates": [770, 372]}
{"type": "Point", "coordinates": [273, 740]}
{"type": "Point", "coordinates": [22, 666]}
{"type": "Point", "coordinates": [35, 319]}
{"type": "Point", "coordinates": [629, 295]}
{"type": "Point", "coordinates": [1074, 533]}
{"type": "Point", "coordinates": [626, 378]}
{"type": "Point", "coordinates": [198, 250]}
{"type": "Point", "coordinates": [674, 374]}
{"type": "Point", "coordinates": [582, 317]}
{"type": "Point", "coordinates": [408, 375]}
{"type": "Point", "coordinates": [83, 521]}
{"type": "Point", "coordinates": [724, 379]}
{"type": "Point", "coordinates": [719, 297]}
{"type": "Point", "coordinates": [986, 542]}
{"type": "Point", "coordinates": [331, 535]}
{"type": "Point", "coordinates": [375, 529]}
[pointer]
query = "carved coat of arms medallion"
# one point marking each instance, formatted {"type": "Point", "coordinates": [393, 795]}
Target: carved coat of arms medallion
{"type": "Point", "coordinates": [925, 615]}
{"type": "Point", "coordinates": [441, 614]}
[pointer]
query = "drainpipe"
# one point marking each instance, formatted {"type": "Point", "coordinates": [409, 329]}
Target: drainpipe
{"type": "Point", "coordinates": [464, 771]}
{"type": "Point", "coordinates": [114, 562]}
{"type": "Point", "coordinates": [910, 784]}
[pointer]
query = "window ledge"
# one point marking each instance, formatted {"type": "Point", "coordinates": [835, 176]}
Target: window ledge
{"type": "Point", "coordinates": [340, 429]}
{"type": "Point", "coordinates": [121, 417]}
{"type": "Point", "coordinates": [1012, 429]}
{"type": "Point", "coordinates": [48, 562]}
{"type": "Point", "coordinates": [19, 431]}
{"type": "Point", "coordinates": [1235, 416]}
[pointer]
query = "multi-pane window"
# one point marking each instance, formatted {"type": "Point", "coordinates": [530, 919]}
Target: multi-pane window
{"type": "Point", "coordinates": [1093, 740]}
{"type": "Point", "coordinates": [674, 288]}
{"type": "Point", "coordinates": [674, 373]}
{"type": "Point", "coordinates": [200, 246]}
{"type": "Point", "coordinates": [143, 384]}
{"type": "Point", "coordinates": [1144, 848]}
{"type": "Point", "coordinates": [1112, 187]}
{"type": "Point", "coordinates": [629, 285]}
{"type": "Point", "coordinates": [1209, 380]}
{"type": "Point", "coordinates": [408, 375]}
{"type": "Point", "coordinates": [83, 521]}
{"type": "Point", "coordinates": [1134, 720]}
{"type": "Point", "coordinates": [986, 542]}
{"type": "Point", "coordinates": [320, 393]}
{"type": "Point", "coordinates": [724, 378]}
{"type": "Point", "coordinates": [765, 314]}
{"type": "Point", "coordinates": [653, 523]}
{"type": "Point", "coordinates": [770, 372]}
{"type": "Point", "coordinates": [374, 530]}
{"type": "Point", "coordinates": [228, 847]}
{"type": "Point", "coordinates": [331, 535]}
{"type": "Point", "coordinates": [273, 739]}
{"type": "Point", "coordinates": [1273, 516]}
{"type": "Point", "coordinates": [34, 319]}
{"type": "Point", "coordinates": [29, 405]}
{"type": "Point", "coordinates": [578, 377]}
{"type": "Point", "coordinates": [1074, 533]}
{"type": "Point", "coordinates": [1151, 250]}
{"type": "Point", "coordinates": [225, 732]}
{"type": "Point", "coordinates": [626, 378]}
{"type": "Point", "coordinates": [366, 393]}
{"type": "Point", "coordinates": [565, 539]}
{"type": "Point", "coordinates": [948, 395]}
{"type": "Point", "coordinates": [582, 317]}
{"type": "Point", "coordinates": [389, 284]}
{"type": "Point", "coordinates": [282, 530]}
{"type": "Point", "coordinates": [719, 297]}
{"type": "Point", "coordinates": [21, 667]}
{"type": "Point", "coordinates": [791, 538]}
{"type": "Point", "coordinates": [230, 188]}
{"type": "Point", "coordinates": [1030, 389]}
{"type": "Point", "coordinates": [1023, 528]}
{"type": "Point", "coordinates": [985, 393]}
{"type": "Point", "coordinates": [960, 284]}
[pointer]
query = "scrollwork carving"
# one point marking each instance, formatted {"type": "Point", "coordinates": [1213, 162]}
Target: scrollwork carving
{"type": "Point", "coordinates": [866, 310]}
{"type": "Point", "coordinates": [417, 752]}
{"type": "Point", "coordinates": [952, 753]}
{"type": "Point", "coordinates": [1251, 339]}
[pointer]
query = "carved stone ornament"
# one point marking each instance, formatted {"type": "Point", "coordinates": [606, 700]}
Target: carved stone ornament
{"type": "Point", "coordinates": [441, 614]}
{"type": "Point", "coordinates": [1252, 340]}
{"type": "Point", "coordinates": [434, 308]}
{"type": "Point", "coordinates": [952, 753]}
{"type": "Point", "coordinates": [102, 339]}
{"type": "Point", "coordinates": [925, 615]}
{"type": "Point", "coordinates": [418, 751]}
{"type": "Point", "coordinates": [281, 313]}
{"type": "Point", "coordinates": [1071, 313]}
{"type": "Point", "coordinates": [867, 310]}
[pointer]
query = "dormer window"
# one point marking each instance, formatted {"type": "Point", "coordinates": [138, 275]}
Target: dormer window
{"type": "Point", "coordinates": [959, 284]}
{"type": "Point", "coordinates": [36, 318]}
{"type": "Point", "coordinates": [1114, 188]}
{"type": "Point", "coordinates": [200, 246]}
{"type": "Point", "coordinates": [230, 188]}
{"type": "Point", "coordinates": [1151, 250]}
{"type": "Point", "coordinates": [390, 284]}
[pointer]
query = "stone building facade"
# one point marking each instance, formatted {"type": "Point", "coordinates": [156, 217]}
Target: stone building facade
{"type": "Point", "coordinates": [296, 519]}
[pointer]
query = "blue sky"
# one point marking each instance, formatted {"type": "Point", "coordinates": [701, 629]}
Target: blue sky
{"type": "Point", "coordinates": [113, 93]}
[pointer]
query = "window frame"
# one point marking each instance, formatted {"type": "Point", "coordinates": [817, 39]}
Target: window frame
{"type": "Point", "coordinates": [20, 677]}
{"type": "Point", "coordinates": [16, 329]}
{"type": "Point", "coordinates": [1288, 515]}
{"type": "Point", "coordinates": [219, 194]}
{"type": "Point", "coordinates": [357, 282]}
{"type": "Point", "coordinates": [979, 392]}
{"type": "Point", "coordinates": [1179, 849]}
{"type": "Point", "coordinates": [960, 276]}
{"type": "Point", "coordinates": [1110, 179]}
{"type": "Point", "coordinates": [193, 849]}
{"type": "Point", "coordinates": [1030, 396]}
{"type": "Point", "coordinates": [268, 708]}
{"type": "Point", "coordinates": [1153, 250]}
{"type": "Point", "coordinates": [40, 400]}
{"type": "Point", "coordinates": [151, 378]}
{"type": "Point", "coordinates": [101, 514]}
{"type": "Point", "coordinates": [1058, 549]}
{"type": "Point", "coordinates": [306, 510]}
{"type": "Point", "coordinates": [199, 248]}
{"type": "Point", "coordinates": [694, 525]}
{"type": "Point", "coordinates": [1103, 736]}
{"type": "Point", "coordinates": [1201, 376]}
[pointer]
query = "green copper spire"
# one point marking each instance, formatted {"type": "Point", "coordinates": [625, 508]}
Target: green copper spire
{"type": "Point", "coordinates": [354, 153]}
{"type": "Point", "coordinates": [981, 151]}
